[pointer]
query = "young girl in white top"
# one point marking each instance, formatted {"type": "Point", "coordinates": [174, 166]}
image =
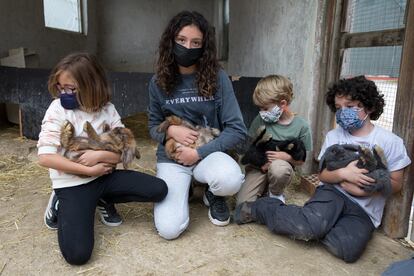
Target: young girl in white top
{"type": "Point", "coordinates": [79, 84]}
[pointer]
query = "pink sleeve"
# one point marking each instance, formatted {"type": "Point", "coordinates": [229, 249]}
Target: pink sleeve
{"type": "Point", "coordinates": [49, 137]}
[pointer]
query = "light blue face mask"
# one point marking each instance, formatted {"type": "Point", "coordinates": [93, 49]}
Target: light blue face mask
{"type": "Point", "coordinates": [348, 118]}
{"type": "Point", "coordinates": [271, 116]}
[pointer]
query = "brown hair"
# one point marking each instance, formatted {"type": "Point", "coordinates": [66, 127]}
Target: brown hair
{"type": "Point", "coordinates": [207, 65]}
{"type": "Point", "coordinates": [273, 89]}
{"type": "Point", "coordinates": [92, 87]}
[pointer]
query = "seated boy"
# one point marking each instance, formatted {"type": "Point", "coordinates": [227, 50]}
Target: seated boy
{"type": "Point", "coordinates": [341, 214]}
{"type": "Point", "coordinates": [273, 95]}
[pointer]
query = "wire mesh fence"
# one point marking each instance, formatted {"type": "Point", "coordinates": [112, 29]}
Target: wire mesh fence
{"type": "Point", "coordinates": [374, 15]}
{"type": "Point", "coordinates": [376, 61]}
{"type": "Point", "coordinates": [388, 87]}
{"type": "Point", "coordinates": [380, 64]}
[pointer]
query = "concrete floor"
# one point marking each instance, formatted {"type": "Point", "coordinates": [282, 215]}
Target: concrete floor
{"type": "Point", "coordinates": [27, 247]}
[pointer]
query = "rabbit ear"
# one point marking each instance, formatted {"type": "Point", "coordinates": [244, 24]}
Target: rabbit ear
{"type": "Point", "coordinates": [137, 153]}
{"type": "Point", "coordinates": [322, 163]}
{"type": "Point", "coordinates": [129, 146]}
{"type": "Point", "coordinates": [106, 128]}
{"type": "Point", "coordinates": [379, 156]}
{"type": "Point", "coordinates": [67, 132]}
{"type": "Point", "coordinates": [128, 155]}
{"type": "Point", "coordinates": [215, 132]}
{"type": "Point", "coordinates": [260, 132]}
{"type": "Point", "coordinates": [351, 147]}
{"type": "Point", "coordinates": [163, 126]}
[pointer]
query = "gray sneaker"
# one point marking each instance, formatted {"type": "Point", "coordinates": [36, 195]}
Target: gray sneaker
{"type": "Point", "coordinates": [243, 213]}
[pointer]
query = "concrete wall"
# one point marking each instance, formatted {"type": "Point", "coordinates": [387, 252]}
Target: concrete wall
{"type": "Point", "coordinates": [278, 37]}
{"type": "Point", "coordinates": [265, 37]}
{"type": "Point", "coordinates": [129, 31]}
{"type": "Point", "coordinates": [22, 25]}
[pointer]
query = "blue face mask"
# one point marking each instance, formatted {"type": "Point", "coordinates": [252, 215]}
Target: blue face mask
{"type": "Point", "coordinates": [69, 101]}
{"type": "Point", "coordinates": [348, 118]}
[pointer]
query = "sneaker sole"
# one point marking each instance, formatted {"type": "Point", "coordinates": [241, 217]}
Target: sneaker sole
{"type": "Point", "coordinates": [49, 204]}
{"type": "Point", "coordinates": [213, 220]}
{"type": "Point", "coordinates": [112, 224]}
{"type": "Point", "coordinates": [216, 221]}
{"type": "Point", "coordinates": [205, 200]}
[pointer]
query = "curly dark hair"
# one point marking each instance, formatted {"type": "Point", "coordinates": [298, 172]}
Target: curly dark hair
{"type": "Point", "coordinates": [207, 65]}
{"type": "Point", "coordinates": [358, 89]}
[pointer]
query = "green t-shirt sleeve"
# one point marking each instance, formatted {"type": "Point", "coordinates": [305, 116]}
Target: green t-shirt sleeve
{"type": "Point", "coordinates": [306, 137]}
{"type": "Point", "coordinates": [254, 126]}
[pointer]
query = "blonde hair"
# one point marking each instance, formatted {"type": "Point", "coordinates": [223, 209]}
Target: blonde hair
{"type": "Point", "coordinates": [273, 89]}
{"type": "Point", "coordinates": [93, 91]}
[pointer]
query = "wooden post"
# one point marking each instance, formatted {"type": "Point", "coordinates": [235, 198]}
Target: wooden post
{"type": "Point", "coordinates": [329, 70]}
{"type": "Point", "coordinates": [398, 208]}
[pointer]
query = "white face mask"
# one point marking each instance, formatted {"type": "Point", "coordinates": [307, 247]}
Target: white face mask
{"type": "Point", "coordinates": [271, 116]}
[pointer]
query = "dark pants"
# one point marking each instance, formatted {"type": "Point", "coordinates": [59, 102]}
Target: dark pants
{"type": "Point", "coordinates": [405, 267]}
{"type": "Point", "coordinates": [77, 205]}
{"type": "Point", "coordinates": [329, 216]}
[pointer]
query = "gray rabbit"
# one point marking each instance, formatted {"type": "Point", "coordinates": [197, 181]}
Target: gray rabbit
{"type": "Point", "coordinates": [339, 156]}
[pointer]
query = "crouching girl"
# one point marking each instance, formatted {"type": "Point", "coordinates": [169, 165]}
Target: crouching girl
{"type": "Point", "coordinates": [82, 94]}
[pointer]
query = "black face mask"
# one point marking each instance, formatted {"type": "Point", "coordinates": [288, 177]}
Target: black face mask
{"type": "Point", "coordinates": [187, 57]}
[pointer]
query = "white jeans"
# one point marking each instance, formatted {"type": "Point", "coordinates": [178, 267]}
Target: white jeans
{"type": "Point", "coordinates": [218, 170]}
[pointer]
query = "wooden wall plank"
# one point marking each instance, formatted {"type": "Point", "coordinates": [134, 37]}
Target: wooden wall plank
{"type": "Point", "coordinates": [393, 37]}
{"type": "Point", "coordinates": [395, 222]}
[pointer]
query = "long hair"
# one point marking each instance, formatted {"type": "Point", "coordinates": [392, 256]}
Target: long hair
{"type": "Point", "coordinates": [92, 87]}
{"type": "Point", "coordinates": [207, 65]}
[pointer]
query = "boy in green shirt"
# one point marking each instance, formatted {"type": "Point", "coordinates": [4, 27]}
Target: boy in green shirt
{"type": "Point", "coordinates": [273, 95]}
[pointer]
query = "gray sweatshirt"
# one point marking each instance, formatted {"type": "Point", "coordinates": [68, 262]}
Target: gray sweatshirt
{"type": "Point", "coordinates": [220, 111]}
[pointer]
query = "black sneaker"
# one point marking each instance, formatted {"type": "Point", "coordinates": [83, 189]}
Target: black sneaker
{"type": "Point", "coordinates": [218, 213]}
{"type": "Point", "coordinates": [243, 213]}
{"type": "Point", "coordinates": [108, 214]}
{"type": "Point", "coordinates": [191, 192]}
{"type": "Point", "coordinates": [50, 216]}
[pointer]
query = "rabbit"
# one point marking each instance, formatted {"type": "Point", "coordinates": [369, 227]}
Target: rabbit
{"type": "Point", "coordinates": [339, 156]}
{"type": "Point", "coordinates": [256, 153]}
{"type": "Point", "coordinates": [206, 134]}
{"type": "Point", "coordinates": [118, 140]}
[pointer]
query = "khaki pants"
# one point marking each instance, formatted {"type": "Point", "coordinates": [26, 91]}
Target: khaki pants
{"type": "Point", "coordinates": [257, 183]}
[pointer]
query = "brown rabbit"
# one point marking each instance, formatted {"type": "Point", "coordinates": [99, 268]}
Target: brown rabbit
{"type": "Point", "coordinates": [119, 140]}
{"type": "Point", "coordinates": [206, 134]}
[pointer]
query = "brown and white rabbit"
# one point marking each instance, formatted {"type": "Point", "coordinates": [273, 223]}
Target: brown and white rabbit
{"type": "Point", "coordinates": [206, 134]}
{"type": "Point", "coordinates": [118, 140]}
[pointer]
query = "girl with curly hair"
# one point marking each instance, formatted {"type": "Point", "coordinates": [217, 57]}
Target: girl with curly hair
{"type": "Point", "coordinates": [190, 84]}
{"type": "Point", "coordinates": [342, 214]}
